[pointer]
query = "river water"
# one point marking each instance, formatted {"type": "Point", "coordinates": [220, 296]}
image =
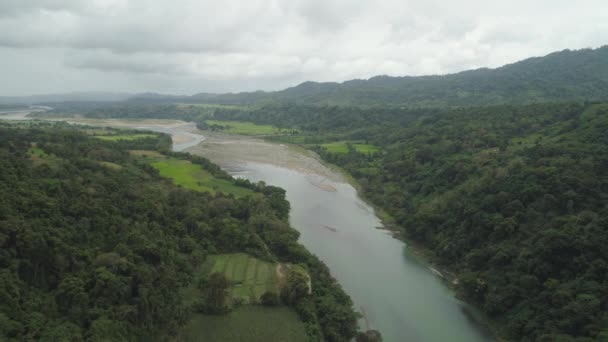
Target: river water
{"type": "Point", "coordinates": [397, 294]}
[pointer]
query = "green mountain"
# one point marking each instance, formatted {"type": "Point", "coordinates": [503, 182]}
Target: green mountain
{"type": "Point", "coordinates": [561, 76]}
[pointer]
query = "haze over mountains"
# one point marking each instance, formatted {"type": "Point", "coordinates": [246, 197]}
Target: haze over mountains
{"type": "Point", "coordinates": [565, 75]}
{"type": "Point", "coordinates": [569, 75]}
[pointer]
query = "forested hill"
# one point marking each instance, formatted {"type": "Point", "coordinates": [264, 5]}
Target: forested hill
{"type": "Point", "coordinates": [97, 246]}
{"type": "Point", "coordinates": [561, 76]}
{"type": "Point", "coordinates": [513, 199]}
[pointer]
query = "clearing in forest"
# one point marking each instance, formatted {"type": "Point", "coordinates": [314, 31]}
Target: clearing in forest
{"type": "Point", "coordinates": [250, 277]}
{"type": "Point", "coordinates": [189, 175]}
{"type": "Point", "coordinates": [342, 147]}
{"type": "Point", "coordinates": [248, 323]}
{"type": "Point", "coordinates": [246, 128]}
{"type": "Point", "coordinates": [117, 137]}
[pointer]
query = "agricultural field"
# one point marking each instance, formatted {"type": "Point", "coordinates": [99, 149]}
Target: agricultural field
{"type": "Point", "coordinates": [116, 137]}
{"type": "Point", "coordinates": [250, 277]}
{"type": "Point", "coordinates": [188, 175]}
{"type": "Point", "coordinates": [248, 323]}
{"type": "Point", "coordinates": [246, 128]}
{"type": "Point", "coordinates": [341, 147]}
{"type": "Point", "coordinates": [192, 176]}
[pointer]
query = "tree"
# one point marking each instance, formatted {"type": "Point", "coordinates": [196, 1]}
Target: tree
{"type": "Point", "coordinates": [216, 298]}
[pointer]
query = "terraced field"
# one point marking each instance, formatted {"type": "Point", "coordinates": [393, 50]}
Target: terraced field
{"type": "Point", "coordinates": [250, 277]}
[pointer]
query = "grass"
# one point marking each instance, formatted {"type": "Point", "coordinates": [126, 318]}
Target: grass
{"type": "Point", "coordinates": [250, 277]}
{"type": "Point", "coordinates": [247, 128]}
{"type": "Point", "coordinates": [341, 147]}
{"type": "Point", "coordinates": [39, 156]}
{"type": "Point", "coordinates": [147, 154]}
{"type": "Point", "coordinates": [207, 105]}
{"type": "Point", "coordinates": [37, 152]}
{"type": "Point", "coordinates": [111, 166]}
{"type": "Point", "coordinates": [118, 137]}
{"type": "Point", "coordinates": [188, 175]}
{"type": "Point", "coordinates": [249, 323]}
{"type": "Point", "coordinates": [192, 176]}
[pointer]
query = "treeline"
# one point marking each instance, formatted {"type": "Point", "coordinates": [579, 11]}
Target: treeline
{"type": "Point", "coordinates": [514, 199]}
{"type": "Point", "coordinates": [130, 110]}
{"type": "Point", "coordinates": [96, 245]}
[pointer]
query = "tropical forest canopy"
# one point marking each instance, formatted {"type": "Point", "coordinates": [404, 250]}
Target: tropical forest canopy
{"type": "Point", "coordinates": [97, 246]}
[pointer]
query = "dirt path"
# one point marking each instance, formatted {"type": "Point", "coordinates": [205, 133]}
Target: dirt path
{"type": "Point", "coordinates": [281, 271]}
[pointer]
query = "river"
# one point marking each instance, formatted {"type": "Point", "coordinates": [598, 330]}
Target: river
{"type": "Point", "coordinates": [397, 294]}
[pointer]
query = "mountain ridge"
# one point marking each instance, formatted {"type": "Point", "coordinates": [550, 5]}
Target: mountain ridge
{"type": "Point", "coordinates": [561, 76]}
{"type": "Point", "coordinates": [535, 79]}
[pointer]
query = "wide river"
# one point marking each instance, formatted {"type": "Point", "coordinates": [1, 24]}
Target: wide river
{"type": "Point", "coordinates": [396, 293]}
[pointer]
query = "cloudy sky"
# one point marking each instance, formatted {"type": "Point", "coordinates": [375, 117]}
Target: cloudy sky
{"type": "Point", "coordinates": [190, 46]}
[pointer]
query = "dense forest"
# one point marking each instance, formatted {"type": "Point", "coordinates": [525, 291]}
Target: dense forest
{"type": "Point", "coordinates": [511, 198]}
{"type": "Point", "coordinates": [96, 245]}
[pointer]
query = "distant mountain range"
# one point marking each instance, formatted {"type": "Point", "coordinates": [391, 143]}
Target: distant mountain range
{"type": "Point", "coordinates": [567, 75]}
{"type": "Point", "coordinates": [67, 97]}
{"type": "Point", "coordinates": [561, 76]}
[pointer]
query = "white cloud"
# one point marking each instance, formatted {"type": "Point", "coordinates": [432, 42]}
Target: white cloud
{"type": "Point", "coordinates": [193, 45]}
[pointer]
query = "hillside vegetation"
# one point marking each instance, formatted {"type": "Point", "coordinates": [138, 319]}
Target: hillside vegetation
{"type": "Point", "coordinates": [96, 245]}
{"type": "Point", "coordinates": [500, 173]}
{"type": "Point", "coordinates": [511, 198]}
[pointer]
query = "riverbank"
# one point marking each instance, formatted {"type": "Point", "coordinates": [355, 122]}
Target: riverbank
{"type": "Point", "coordinates": [420, 252]}
{"type": "Point", "coordinates": [263, 150]}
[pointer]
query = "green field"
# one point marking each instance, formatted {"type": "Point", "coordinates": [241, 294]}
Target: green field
{"type": "Point", "coordinates": [341, 147]}
{"type": "Point", "coordinates": [250, 277]}
{"type": "Point", "coordinates": [124, 137]}
{"type": "Point", "coordinates": [109, 165]}
{"type": "Point", "coordinates": [207, 105]}
{"type": "Point", "coordinates": [248, 323]}
{"type": "Point", "coordinates": [39, 157]}
{"type": "Point", "coordinates": [193, 176]}
{"type": "Point", "coordinates": [37, 152]}
{"type": "Point", "coordinates": [247, 128]}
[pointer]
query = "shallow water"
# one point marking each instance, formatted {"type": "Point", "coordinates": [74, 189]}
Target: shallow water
{"type": "Point", "coordinates": [396, 293]}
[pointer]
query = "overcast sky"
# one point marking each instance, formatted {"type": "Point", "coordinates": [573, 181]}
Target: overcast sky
{"type": "Point", "coordinates": [190, 46]}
